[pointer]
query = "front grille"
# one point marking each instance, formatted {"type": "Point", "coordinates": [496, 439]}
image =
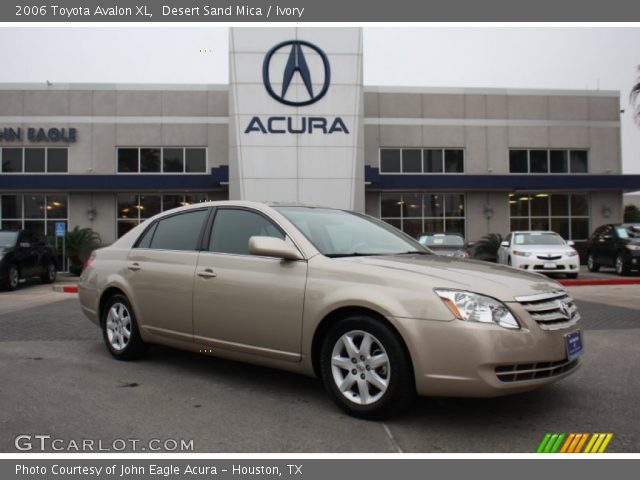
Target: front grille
{"type": "Point", "coordinates": [549, 257]}
{"type": "Point", "coordinates": [534, 371]}
{"type": "Point", "coordinates": [552, 310]}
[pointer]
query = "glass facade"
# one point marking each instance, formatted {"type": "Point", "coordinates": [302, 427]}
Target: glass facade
{"type": "Point", "coordinates": [548, 161]}
{"type": "Point", "coordinates": [133, 208]}
{"type": "Point", "coordinates": [161, 159]}
{"type": "Point", "coordinates": [34, 160]}
{"type": "Point", "coordinates": [418, 212]}
{"type": "Point", "coordinates": [565, 214]}
{"type": "Point", "coordinates": [36, 212]}
{"type": "Point", "coordinates": [421, 160]}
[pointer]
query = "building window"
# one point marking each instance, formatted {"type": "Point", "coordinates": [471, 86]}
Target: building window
{"type": "Point", "coordinates": [133, 208]}
{"type": "Point", "coordinates": [35, 212]}
{"type": "Point", "coordinates": [421, 160]}
{"type": "Point", "coordinates": [565, 214]}
{"type": "Point", "coordinates": [161, 159]}
{"type": "Point", "coordinates": [415, 213]}
{"type": "Point", "coordinates": [34, 160]}
{"type": "Point", "coordinates": [548, 161]}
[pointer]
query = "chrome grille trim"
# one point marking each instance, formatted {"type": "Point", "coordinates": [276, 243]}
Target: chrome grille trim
{"type": "Point", "coordinates": [548, 311]}
{"type": "Point", "coordinates": [541, 296]}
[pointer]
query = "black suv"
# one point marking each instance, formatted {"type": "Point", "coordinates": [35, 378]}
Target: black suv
{"type": "Point", "coordinates": [25, 254]}
{"type": "Point", "coordinates": [615, 246]}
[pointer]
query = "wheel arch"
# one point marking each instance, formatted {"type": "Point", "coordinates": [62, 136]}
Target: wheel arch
{"type": "Point", "coordinates": [339, 314]}
{"type": "Point", "coordinates": [106, 295]}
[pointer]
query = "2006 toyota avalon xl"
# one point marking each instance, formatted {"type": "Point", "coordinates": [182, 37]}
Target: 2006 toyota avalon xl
{"type": "Point", "coordinates": [332, 293]}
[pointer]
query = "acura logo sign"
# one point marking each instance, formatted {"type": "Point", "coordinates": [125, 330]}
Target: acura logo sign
{"type": "Point", "coordinates": [296, 65]}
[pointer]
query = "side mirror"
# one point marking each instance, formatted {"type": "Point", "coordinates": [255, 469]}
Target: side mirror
{"type": "Point", "coordinates": [25, 245]}
{"type": "Point", "coordinates": [571, 243]}
{"type": "Point", "coordinates": [504, 244]}
{"type": "Point", "coordinates": [273, 247]}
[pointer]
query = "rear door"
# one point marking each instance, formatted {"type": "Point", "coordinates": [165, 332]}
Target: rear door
{"type": "Point", "coordinates": [160, 270]}
{"type": "Point", "coordinates": [243, 302]}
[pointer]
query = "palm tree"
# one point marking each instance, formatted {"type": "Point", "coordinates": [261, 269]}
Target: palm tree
{"type": "Point", "coordinates": [487, 248]}
{"type": "Point", "coordinates": [633, 97]}
{"type": "Point", "coordinates": [80, 243]}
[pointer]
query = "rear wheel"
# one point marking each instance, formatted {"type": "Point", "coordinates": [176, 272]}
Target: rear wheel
{"type": "Point", "coordinates": [120, 329]}
{"type": "Point", "coordinates": [366, 369]}
{"type": "Point", "coordinates": [591, 263]}
{"type": "Point", "coordinates": [621, 267]}
{"type": "Point", "coordinates": [13, 277]}
{"type": "Point", "coordinates": [50, 273]}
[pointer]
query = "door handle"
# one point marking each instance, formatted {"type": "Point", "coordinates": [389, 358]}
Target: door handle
{"type": "Point", "coordinates": [134, 267]}
{"type": "Point", "coordinates": [207, 273]}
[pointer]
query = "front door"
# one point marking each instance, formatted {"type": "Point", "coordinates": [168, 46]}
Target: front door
{"type": "Point", "coordinates": [243, 302]}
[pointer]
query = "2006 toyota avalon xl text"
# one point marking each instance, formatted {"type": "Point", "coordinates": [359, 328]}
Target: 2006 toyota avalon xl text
{"type": "Point", "coordinates": [333, 293]}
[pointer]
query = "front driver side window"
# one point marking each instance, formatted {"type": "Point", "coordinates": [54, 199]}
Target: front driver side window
{"type": "Point", "coordinates": [232, 229]}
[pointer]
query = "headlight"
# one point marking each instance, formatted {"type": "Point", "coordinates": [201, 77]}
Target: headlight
{"type": "Point", "coordinates": [572, 253]}
{"type": "Point", "coordinates": [472, 307]}
{"type": "Point", "coordinates": [632, 247]}
{"type": "Point", "coordinates": [520, 253]}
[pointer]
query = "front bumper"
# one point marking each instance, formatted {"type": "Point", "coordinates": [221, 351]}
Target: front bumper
{"type": "Point", "coordinates": [535, 264]}
{"type": "Point", "coordinates": [465, 359]}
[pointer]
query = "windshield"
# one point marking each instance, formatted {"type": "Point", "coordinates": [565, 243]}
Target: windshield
{"type": "Point", "coordinates": [440, 240]}
{"type": "Point", "coordinates": [8, 239]}
{"type": "Point", "coordinates": [338, 233]}
{"type": "Point", "coordinates": [542, 238]}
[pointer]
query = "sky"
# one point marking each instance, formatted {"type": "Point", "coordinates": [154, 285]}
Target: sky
{"type": "Point", "coordinates": [565, 57]}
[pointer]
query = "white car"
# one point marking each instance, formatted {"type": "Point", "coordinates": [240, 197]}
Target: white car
{"type": "Point", "coordinates": [539, 251]}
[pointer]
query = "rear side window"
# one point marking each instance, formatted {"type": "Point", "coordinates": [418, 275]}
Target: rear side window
{"type": "Point", "coordinates": [233, 228]}
{"type": "Point", "coordinates": [179, 232]}
{"type": "Point", "coordinates": [145, 240]}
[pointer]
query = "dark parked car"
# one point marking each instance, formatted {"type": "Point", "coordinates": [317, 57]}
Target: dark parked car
{"type": "Point", "coordinates": [446, 244]}
{"type": "Point", "coordinates": [615, 246]}
{"type": "Point", "coordinates": [25, 254]}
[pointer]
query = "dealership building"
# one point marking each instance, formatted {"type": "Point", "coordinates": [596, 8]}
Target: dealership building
{"type": "Point", "coordinates": [297, 124]}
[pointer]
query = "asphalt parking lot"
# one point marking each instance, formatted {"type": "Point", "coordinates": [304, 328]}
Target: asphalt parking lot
{"type": "Point", "coordinates": [57, 379]}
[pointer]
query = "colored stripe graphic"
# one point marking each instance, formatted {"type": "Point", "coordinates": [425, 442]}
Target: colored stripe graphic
{"type": "Point", "coordinates": [554, 442]}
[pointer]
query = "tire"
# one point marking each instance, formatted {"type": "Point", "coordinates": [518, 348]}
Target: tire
{"type": "Point", "coordinates": [572, 275]}
{"type": "Point", "coordinates": [13, 278]}
{"type": "Point", "coordinates": [383, 384]}
{"type": "Point", "coordinates": [119, 322]}
{"type": "Point", "coordinates": [591, 264]}
{"type": "Point", "coordinates": [621, 268]}
{"type": "Point", "coordinates": [50, 273]}
{"type": "Point", "coordinates": [509, 261]}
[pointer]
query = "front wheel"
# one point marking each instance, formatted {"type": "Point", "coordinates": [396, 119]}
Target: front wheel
{"type": "Point", "coordinates": [591, 263]}
{"type": "Point", "coordinates": [120, 329]}
{"type": "Point", "coordinates": [366, 368]}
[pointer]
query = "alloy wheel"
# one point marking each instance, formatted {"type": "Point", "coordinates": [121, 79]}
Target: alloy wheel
{"type": "Point", "coordinates": [118, 326]}
{"type": "Point", "coordinates": [360, 367]}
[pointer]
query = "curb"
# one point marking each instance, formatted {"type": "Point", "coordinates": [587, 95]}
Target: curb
{"type": "Point", "coordinates": [66, 288]}
{"type": "Point", "coordinates": [600, 281]}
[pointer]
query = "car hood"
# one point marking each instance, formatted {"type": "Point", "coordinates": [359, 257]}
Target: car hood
{"type": "Point", "coordinates": [497, 281]}
{"type": "Point", "coordinates": [446, 249]}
